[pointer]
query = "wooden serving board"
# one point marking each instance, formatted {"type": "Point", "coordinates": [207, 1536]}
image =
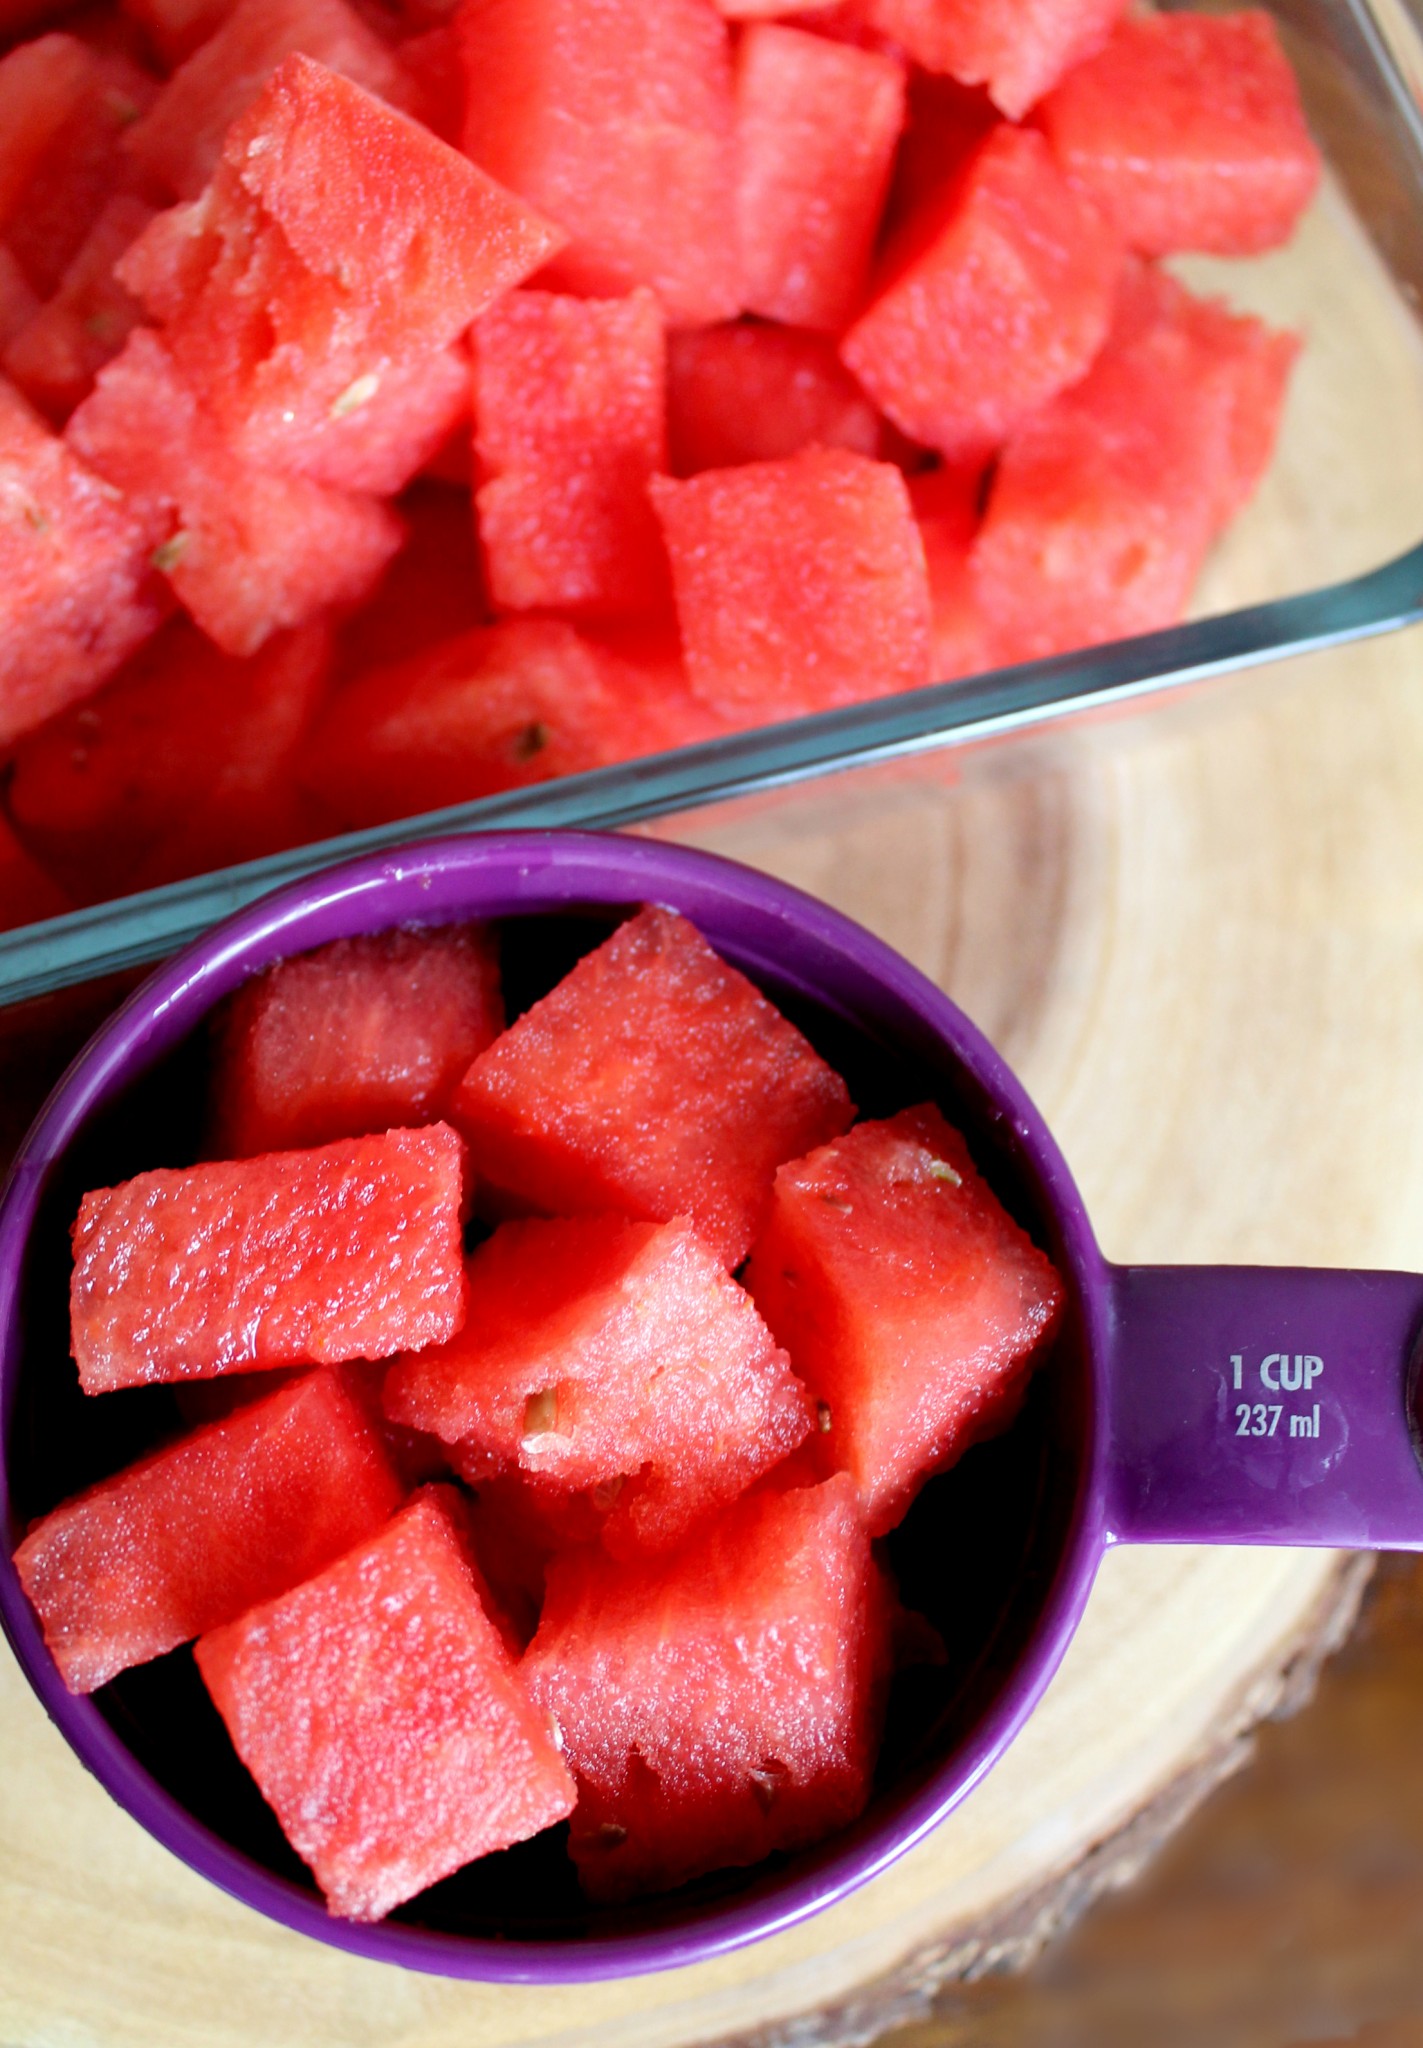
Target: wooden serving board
{"type": "Point", "coordinates": [1198, 934]}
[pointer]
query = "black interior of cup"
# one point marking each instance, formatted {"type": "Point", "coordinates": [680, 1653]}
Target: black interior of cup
{"type": "Point", "coordinates": [978, 1553]}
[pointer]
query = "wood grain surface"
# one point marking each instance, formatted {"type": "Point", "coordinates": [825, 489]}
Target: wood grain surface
{"type": "Point", "coordinates": [1198, 934]}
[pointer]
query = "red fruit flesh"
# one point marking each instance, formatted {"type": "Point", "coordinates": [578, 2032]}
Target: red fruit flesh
{"type": "Point", "coordinates": [800, 584]}
{"type": "Point", "coordinates": [193, 1535]}
{"type": "Point", "coordinates": [613, 1356]}
{"type": "Point", "coordinates": [349, 1251]}
{"type": "Point", "coordinates": [722, 1702]}
{"type": "Point", "coordinates": [363, 1035]}
{"type": "Point", "coordinates": [911, 1303]}
{"type": "Point", "coordinates": [381, 1713]}
{"type": "Point", "coordinates": [654, 1080]}
{"type": "Point", "coordinates": [55, 357]}
{"type": "Point", "coordinates": [1019, 49]}
{"type": "Point", "coordinates": [747, 392]}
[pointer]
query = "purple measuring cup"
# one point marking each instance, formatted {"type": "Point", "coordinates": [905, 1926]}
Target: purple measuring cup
{"type": "Point", "coordinates": [1184, 1404]}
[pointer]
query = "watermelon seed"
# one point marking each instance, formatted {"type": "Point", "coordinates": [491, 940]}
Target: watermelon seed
{"type": "Point", "coordinates": [940, 1169]}
{"type": "Point", "coordinates": [611, 1835]}
{"type": "Point", "coordinates": [766, 1782]}
{"type": "Point", "coordinates": [355, 395]}
{"type": "Point", "coordinates": [540, 1416]}
{"type": "Point", "coordinates": [838, 1203]}
{"type": "Point", "coordinates": [532, 740]}
{"type": "Point", "coordinates": [822, 1417]}
{"type": "Point", "coordinates": [607, 1492]}
{"type": "Point", "coordinates": [172, 551]}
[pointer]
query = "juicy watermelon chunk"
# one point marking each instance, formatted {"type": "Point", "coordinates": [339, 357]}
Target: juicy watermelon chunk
{"type": "Point", "coordinates": [1104, 505]}
{"type": "Point", "coordinates": [498, 708]}
{"type": "Point", "coordinates": [383, 1717]}
{"type": "Point", "coordinates": [570, 423]}
{"type": "Point", "coordinates": [77, 595]}
{"type": "Point", "coordinates": [196, 1533]}
{"type": "Point", "coordinates": [337, 245]}
{"type": "Point", "coordinates": [945, 505]}
{"type": "Point", "coordinates": [383, 430]}
{"type": "Point", "coordinates": [43, 84]}
{"type": "Point", "coordinates": [1188, 131]}
{"type": "Point", "coordinates": [816, 126]}
{"type": "Point", "coordinates": [1019, 49]}
{"type": "Point", "coordinates": [616, 122]}
{"type": "Point", "coordinates": [182, 762]}
{"type": "Point", "coordinates": [744, 392]}
{"type": "Point", "coordinates": [361, 1035]}
{"type": "Point", "coordinates": [1014, 253]}
{"type": "Point", "coordinates": [800, 584]}
{"type": "Point", "coordinates": [615, 1357]}
{"type": "Point", "coordinates": [722, 1702]}
{"type": "Point", "coordinates": [247, 552]}
{"type": "Point", "coordinates": [81, 166]}
{"type": "Point", "coordinates": [911, 1303]}
{"type": "Point", "coordinates": [654, 1080]}
{"type": "Point", "coordinates": [349, 1251]}
{"type": "Point", "coordinates": [57, 355]}
{"type": "Point", "coordinates": [179, 140]}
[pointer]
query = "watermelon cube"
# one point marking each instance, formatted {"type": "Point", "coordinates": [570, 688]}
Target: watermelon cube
{"type": "Point", "coordinates": [800, 584]}
{"type": "Point", "coordinates": [186, 751]}
{"type": "Point", "coordinates": [816, 126]}
{"type": "Point", "coordinates": [77, 594]}
{"type": "Point", "coordinates": [179, 140]}
{"type": "Point", "coordinates": [1188, 131]}
{"type": "Point", "coordinates": [361, 1035]}
{"type": "Point", "coordinates": [55, 357]}
{"type": "Point", "coordinates": [380, 1710]}
{"type": "Point", "coordinates": [748, 392]}
{"type": "Point", "coordinates": [43, 85]}
{"type": "Point", "coordinates": [911, 1303]}
{"type": "Point", "coordinates": [616, 121]}
{"type": "Point", "coordinates": [348, 1251]}
{"type": "Point", "coordinates": [194, 1534]}
{"type": "Point", "coordinates": [498, 708]}
{"type": "Point", "coordinates": [616, 1358]}
{"type": "Point", "coordinates": [570, 423]}
{"type": "Point", "coordinates": [945, 502]}
{"type": "Point", "coordinates": [1019, 49]}
{"type": "Point", "coordinates": [383, 431]}
{"type": "Point", "coordinates": [722, 1702]}
{"type": "Point", "coordinates": [246, 551]}
{"type": "Point", "coordinates": [653, 1080]}
{"type": "Point", "coordinates": [337, 245]}
{"type": "Point", "coordinates": [81, 166]}
{"type": "Point", "coordinates": [1103, 506]}
{"type": "Point", "coordinates": [1013, 252]}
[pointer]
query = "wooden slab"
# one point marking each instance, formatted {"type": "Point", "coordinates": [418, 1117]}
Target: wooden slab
{"type": "Point", "coordinates": [1198, 934]}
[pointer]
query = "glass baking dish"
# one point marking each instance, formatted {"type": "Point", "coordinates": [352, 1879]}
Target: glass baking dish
{"type": "Point", "coordinates": [1331, 550]}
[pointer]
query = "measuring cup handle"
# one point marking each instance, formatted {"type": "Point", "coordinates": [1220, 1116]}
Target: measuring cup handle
{"type": "Point", "coordinates": [1252, 1404]}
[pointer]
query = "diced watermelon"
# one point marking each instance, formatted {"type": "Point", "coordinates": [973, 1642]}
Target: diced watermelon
{"type": "Point", "coordinates": [27, 893]}
{"type": "Point", "coordinates": [1188, 131]}
{"type": "Point", "coordinates": [80, 170]}
{"type": "Point", "coordinates": [720, 1703]}
{"type": "Point", "coordinates": [19, 301]}
{"type": "Point", "coordinates": [654, 1080]}
{"type": "Point", "coordinates": [337, 242]}
{"type": "Point", "coordinates": [911, 1303]}
{"type": "Point", "coordinates": [179, 140]}
{"type": "Point", "coordinates": [615, 1357]}
{"type": "Point", "coordinates": [615, 121]}
{"type": "Point", "coordinates": [247, 551]}
{"type": "Point", "coordinates": [993, 304]}
{"type": "Point", "coordinates": [383, 430]}
{"type": "Point", "coordinates": [945, 502]}
{"type": "Point", "coordinates": [816, 126]}
{"type": "Point", "coordinates": [1019, 49]}
{"type": "Point", "coordinates": [745, 392]}
{"type": "Point", "coordinates": [187, 749]}
{"type": "Point", "coordinates": [361, 1035]}
{"type": "Point", "coordinates": [498, 708]}
{"type": "Point", "coordinates": [433, 590]}
{"type": "Point", "coordinates": [194, 1534]}
{"type": "Point", "coordinates": [43, 84]}
{"type": "Point", "coordinates": [349, 1251]}
{"type": "Point", "coordinates": [945, 123]}
{"type": "Point", "coordinates": [1103, 506]}
{"type": "Point", "coordinates": [55, 358]}
{"type": "Point", "coordinates": [381, 1713]}
{"type": "Point", "coordinates": [177, 27]}
{"type": "Point", "coordinates": [570, 423]}
{"type": "Point", "coordinates": [766, 10]}
{"type": "Point", "coordinates": [800, 584]}
{"type": "Point", "coordinates": [77, 595]}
